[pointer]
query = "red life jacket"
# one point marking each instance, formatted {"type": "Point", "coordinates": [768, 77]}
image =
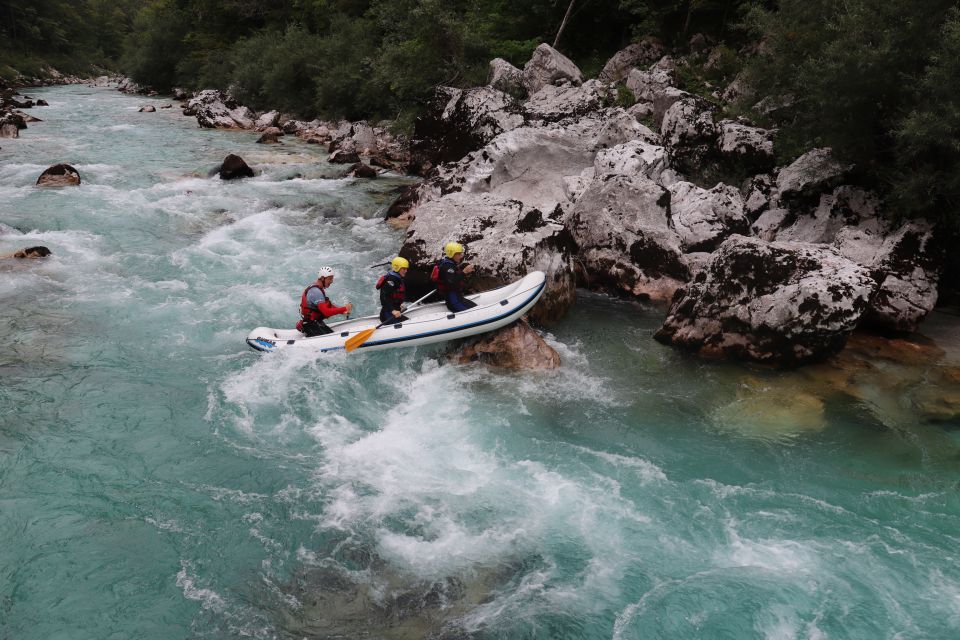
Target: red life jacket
{"type": "Point", "coordinates": [308, 313]}
{"type": "Point", "coordinates": [398, 295]}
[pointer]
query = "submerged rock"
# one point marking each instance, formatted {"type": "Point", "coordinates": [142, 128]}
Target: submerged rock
{"type": "Point", "coordinates": [361, 170]}
{"type": "Point", "coordinates": [59, 175]}
{"type": "Point", "coordinates": [516, 346]}
{"type": "Point", "coordinates": [777, 303]}
{"type": "Point", "coordinates": [234, 167]}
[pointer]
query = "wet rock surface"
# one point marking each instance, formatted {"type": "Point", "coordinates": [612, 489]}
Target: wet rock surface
{"type": "Point", "coordinates": [516, 347]}
{"type": "Point", "coordinates": [59, 175]}
{"type": "Point", "coordinates": [234, 167]}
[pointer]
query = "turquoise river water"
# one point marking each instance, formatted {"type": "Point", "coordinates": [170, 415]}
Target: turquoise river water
{"type": "Point", "coordinates": [158, 479]}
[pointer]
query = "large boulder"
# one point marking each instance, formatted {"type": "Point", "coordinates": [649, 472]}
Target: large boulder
{"type": "Point", "coordinates": [9, 130]}
{"type": "Point", "coordinates": [505, 239]}
{"type": "Point", "coordinates": [745, 146]}
{"type": "Point", "coordinates": [218, 110]}
{"type": "Point", "coordinates": [705, 217]}
{"type": "Point", "coordinates": [907, 266]}
{"type": "Point", "coordinates": [59, 175]}
{"type": "Point", "coordinates": [810, 175]}
{"type": "Point", "coordinates": [507, 78]}
{"type": "Point", "coordinates": [527, 164]}
{"type": "Point", "coordinates": [268, 120]}
{"type": "Point", "coordinates": [457, 122]}
{"type": "Point", "coordinates": [638, 54]}
{"type": "Point", "coordinates": [622, 228]}
{"type": "Point", "coordinates": [846, 206]}
{"type": "Point", "coordinates": [234, 167]}
{"type": "Point", "coordinates": [620, 126]}
{"type": "Point", "coordinates": [549, 66]}
{"type": "Point", "coordinates": [13, 118]}
{"type": "Point", "coordinates": [689, 133]}
{"type": "Point", "coordinates": [552, 103]}
{"type": "Point", "coordinates": [636, 157]}
{"type": "Point", "coordinates": [778, 303]}
{"type": "Point", "coordinates": [516, 346]}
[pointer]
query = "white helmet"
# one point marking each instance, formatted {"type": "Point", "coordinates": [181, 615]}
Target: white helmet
{"type": "Point", "coordinates": [325, 272]}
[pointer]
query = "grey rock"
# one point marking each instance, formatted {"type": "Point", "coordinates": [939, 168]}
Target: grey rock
{"type": "Point", "coordinates": [506, 78]}
{"type": "Point", "coordinates": [621, 126]}
{"type": "Point", "coordinates": [689, 133]}
{"type": "Point", "coordinates": [636, 157]}
{"type": "Point", "coordinates": [267, 120]}
{"type": "Point", "coordinates": [810, 175]}
{"type": "Point", "coordinates": [621, 226]}
{"type": "Point", "coordinates": [549, 66]}
{"type": "Point", "coordinates": [218, 110]}
{"type": "Point", "coordinates": [639, 54]}
{"type": "Point", "coordinates": [745, 146]}
{"type": "Point", "coordinates": [703, 218]}
{"type": "Point", "coordinates": [457, 122]}
{"type": "Point", "coordinates": [552, 103]}
{"type": "Point", "coordinates": [504, 239]}
{"type": "Point", "coordinates": [777, 303]}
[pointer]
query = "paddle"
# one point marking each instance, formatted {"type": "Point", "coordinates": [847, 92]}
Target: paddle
{"type": "Point", "coordinates": [357, 340]}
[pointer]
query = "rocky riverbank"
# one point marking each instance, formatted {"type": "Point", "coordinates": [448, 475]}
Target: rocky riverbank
{"type": "Point", "coordinates": [541, 169]}
{"type": "Point", "coordinates": [611, 183]}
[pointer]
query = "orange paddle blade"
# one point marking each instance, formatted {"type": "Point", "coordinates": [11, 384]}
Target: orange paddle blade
{"type": "Point", "coordinates": [355, 341]}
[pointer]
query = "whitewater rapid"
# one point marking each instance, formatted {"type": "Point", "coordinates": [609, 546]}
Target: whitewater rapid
{"type": "Point", "coordinates": [158, 479]}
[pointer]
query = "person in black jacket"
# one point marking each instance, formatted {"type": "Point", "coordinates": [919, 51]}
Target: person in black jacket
{"type": "Point", "coordinates": [393, 291]}
{"type": "Point", "coordinates": [450, 276]}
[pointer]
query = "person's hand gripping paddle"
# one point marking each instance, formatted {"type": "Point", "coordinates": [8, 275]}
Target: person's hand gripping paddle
{"type": "Point", "coordinates": [357, 340]}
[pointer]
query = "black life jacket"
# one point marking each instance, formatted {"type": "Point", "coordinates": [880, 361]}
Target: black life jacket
{"type": "Point", "coordinates": [399, 293]}
{"type": "Point", "coordinates": [436, 276]}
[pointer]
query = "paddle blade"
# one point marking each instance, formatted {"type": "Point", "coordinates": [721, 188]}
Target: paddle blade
{"type": "Point", "coordinates": [355, 341]}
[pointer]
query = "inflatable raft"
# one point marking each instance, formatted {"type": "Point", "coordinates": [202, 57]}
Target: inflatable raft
{"type": "Point", "coordinates": [427, 323]}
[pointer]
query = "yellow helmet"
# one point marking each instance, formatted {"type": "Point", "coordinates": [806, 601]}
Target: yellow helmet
{"type": "Point", "coordinates": [453, 248]}
{"type": "Point", "coordinates": [399, 263]}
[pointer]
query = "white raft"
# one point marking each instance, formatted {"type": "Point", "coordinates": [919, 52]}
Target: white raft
{"type": "Point", "coordinates": [427, 323]}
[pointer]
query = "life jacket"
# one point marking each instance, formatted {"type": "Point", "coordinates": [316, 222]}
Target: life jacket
{"type": "Point", "coordinates": [307, 312]}
{"type": "Point", "coordinates": [443, 287]}
{"type": "Point", "coordinates": [398, 295]}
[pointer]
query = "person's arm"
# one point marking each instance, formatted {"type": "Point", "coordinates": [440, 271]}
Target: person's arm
{"type": "Point", "coordinates": [327, 309]}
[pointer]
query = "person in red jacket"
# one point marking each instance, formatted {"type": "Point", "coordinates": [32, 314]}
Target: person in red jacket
{"type": "Point", "coordinates": [315, 306]}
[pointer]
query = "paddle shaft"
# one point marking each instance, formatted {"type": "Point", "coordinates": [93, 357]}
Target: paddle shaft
{"type": "Point", "coordinates": [357, 340]}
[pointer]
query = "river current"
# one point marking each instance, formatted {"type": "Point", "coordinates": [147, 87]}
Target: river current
{"type": "Point", "coordinates": [158, 479]}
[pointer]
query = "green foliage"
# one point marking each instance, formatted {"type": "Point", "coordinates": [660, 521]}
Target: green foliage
{"type": "Point", "coordinates": [625, 97]}
{"type": "Point", "coordinates": [928, 137]}
{"type": "Point", "coordinates": [73, 37]}
{"type": "Point", "coordinates": [855, 77]}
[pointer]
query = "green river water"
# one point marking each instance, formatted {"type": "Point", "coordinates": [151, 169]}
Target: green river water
{"type": "Point", "coordinates": [158, 479]}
